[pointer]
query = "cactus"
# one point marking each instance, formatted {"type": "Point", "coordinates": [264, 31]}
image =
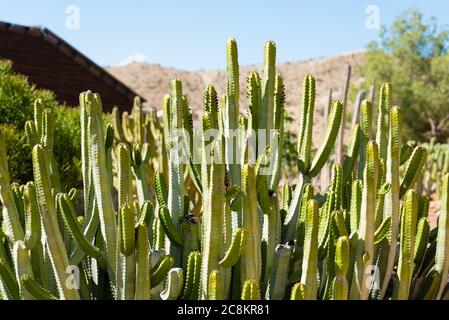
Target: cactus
{"type": "Point", "coordinates": [304, 145]}
{"type": "Point", "coordinates": [143, 280]}
{"type": "Point", "coordinates": [251, 290]}
{"type": "Point", "coordinates": [92, 104]}
{"type": "Point", "coordinates": [176, 191]}
{"type": "Point", "coordinates": [164, 218]}
{"type": "Point", "coordinates": [231, 113]}
{"type": "Point", "coordinates": [340, 286]}
{"type": "Point", "coordinates": [366, 231]}
{"type": "Point", "coordinates": [56, 248]}
{"type": "Point", "coordinates": [215, 288]}
{"type": "Point", "coordinates": [174, 284]}
{"type": "Point", "coordinates": [251, 255]}
{"type": "Point", "coordinates": [407, 245]}
{"type": "Point", "coordinates": [309, 276]}
{"type": "Point", "coordinates": [278, 278]}
{"type": "Point", "coordinates": [441, 263]}
{"type": "Point", "coordinates": [192, 282]}
{"type": "Point", "coordinates": [212, 240]}
{"type": "Point", "coordinates": [391, 205]}
{"type": "Point", "coordinates": [298, 292]}
{"type": "Point", "coordinates": [382, 119]}
{"type": "Point", "coordinates": [11, 225]}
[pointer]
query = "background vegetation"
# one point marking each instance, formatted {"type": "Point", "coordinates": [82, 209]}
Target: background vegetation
{"type": "Point", "coordinates": [412, 54]}
{"type": "Point", "coordinates": [17, 96]}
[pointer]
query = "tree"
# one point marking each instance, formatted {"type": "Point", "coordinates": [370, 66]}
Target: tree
{"type": "Point", "coordinates": [412, 54]}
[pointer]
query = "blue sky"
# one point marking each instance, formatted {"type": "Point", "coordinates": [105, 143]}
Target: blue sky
{"type": "Point", "coordinates": [191, 34]}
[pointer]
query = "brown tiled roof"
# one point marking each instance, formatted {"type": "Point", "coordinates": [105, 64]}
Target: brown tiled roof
{"type": "Point", "coordinates": [52, 63]}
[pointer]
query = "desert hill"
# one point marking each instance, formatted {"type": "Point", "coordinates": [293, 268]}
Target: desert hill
{"type": "Point", "coordinates": [151, 81]}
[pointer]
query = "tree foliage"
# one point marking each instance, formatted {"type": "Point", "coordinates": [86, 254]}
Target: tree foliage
{"type": "Point", "coordinates": [412, 54]}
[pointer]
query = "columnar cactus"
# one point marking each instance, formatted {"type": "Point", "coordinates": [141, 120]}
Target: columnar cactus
{"type": "Point", "coordinates": [391, 204]}
{"type": "Point", "coordinates": [407, 245]}
{"type": "Point", "coordinates": [310, 169]}
{"type": "Point", "coordinates": [340, 286]}
{"type": "Point", "coordinates": [441, 263]}
{"type": "Point", "coordinates": [176, 188]}
{"type": "Point", "coordinates": [165, 218]}
{"type": "Point", "coordinates": [103, 195]}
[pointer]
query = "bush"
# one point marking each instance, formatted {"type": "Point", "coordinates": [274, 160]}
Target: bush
{"type": "Point", "coordinates": [18, 151]}
{"type": "Point", "coordinates": [17, 97]}
{"type": "Point", "coordinates": [67, 146]}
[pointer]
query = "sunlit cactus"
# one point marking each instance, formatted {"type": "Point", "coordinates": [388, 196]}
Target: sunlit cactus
{"type": "Point", "coordinates": [169, 210]}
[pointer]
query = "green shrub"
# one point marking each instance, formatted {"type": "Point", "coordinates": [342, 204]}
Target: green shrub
{"type": "Point", "coordinates": [18, 151]}
{"type": "Point", "coordinates": [67, 145]}
{"type": "Point", "coordinates": [17, 97]}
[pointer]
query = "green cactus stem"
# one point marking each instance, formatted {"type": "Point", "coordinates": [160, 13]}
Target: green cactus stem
{"type": "Point", "coordinates": [391, 205]}
{"type": "Point", "coordinates": [143, 284]}
{"type": "Point", "coordinates": [213, 215]}
{"type": "Point", "coordinates": [175, 279]}
{"type": "Point", "coordinates": [366, 227]}
{"type": "Point", "coordinates": [278, 277]}
{"type": "Point", "coordinates": [441, 260]}
{"type": "Point", "coordinates": [340, 286]}
{"type": "Point", "coordinates": [305, 136]}
{"type": "Point", "coordinates": [422, 241]}
{"type": "Point", "coordinates": [192, 282]}
{"type": "Point", "coordinates": [266, 114]}
{"type": "Point", "coordinates": [251, 290]}
{"type": "Point", "coordinates": [22, 266]}
{"type": "Point", "coordinates": [92, 104]}
{"type": "Point", "coordinates": [11, 223]}
{"type": "Point", "coordinates": [215, 288]}
{"type": "Point", "coordinates": [309, 277]}
{"type": "Point", "coordinates": [334, 123]}
{"type": "Point", "coordinates": [169, 227]}
{"type": "Point", "coordinates": [251, 260]}
{"type": "Point", "coordinates": [235, 249]}
{"type": "Point", "coordinates": [125, 280]}
{"type": "Point", "coordinates": [35, 289]}
{"type": "Point", "coordinates": [9, 286]}
{"type": "Point", "coordinates": [159, 272]}
{"type": "Point", "coordinates": [407, 244]}
{"type": "Point", "coordinates": [298, 292]}
{"type": "Point", "coordinates": [67, 211]}
{"type": "Point", "coordinates": [382, 120]}
{"type": "Point", "coordinates": [56, 248]}
{"type": "Point", "coordinates": [32, 216]}
{"type": "Point", "coordinates": [176, 189]}
{"type": "Point", "coordinates": [414, 169]}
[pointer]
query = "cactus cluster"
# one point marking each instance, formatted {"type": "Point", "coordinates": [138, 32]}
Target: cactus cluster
{"type": "Point", "coordinates": [153, 222]}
